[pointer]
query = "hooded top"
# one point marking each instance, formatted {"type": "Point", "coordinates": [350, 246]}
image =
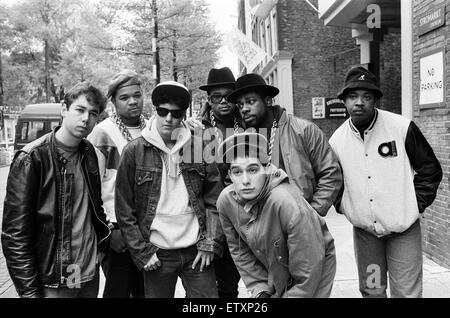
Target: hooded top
{"type": "Point", "coordinates": [274, 177]}
{"type": "Point", "coordinates": [278, 242]}
{"type": "Point", "coordinates": [175, 224]}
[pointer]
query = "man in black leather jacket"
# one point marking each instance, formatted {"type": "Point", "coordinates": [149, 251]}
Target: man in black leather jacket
{"type": "Point", "coordinates": [54, 225]}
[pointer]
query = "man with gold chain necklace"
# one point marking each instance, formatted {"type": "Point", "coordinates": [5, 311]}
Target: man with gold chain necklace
{"type": "Point", "coordinates": [123, 280]}
{"type": "Point", "coordinates": [222, 118]}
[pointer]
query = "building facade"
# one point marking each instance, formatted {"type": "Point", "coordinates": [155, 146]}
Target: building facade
{"type": "Point", "coordinates": [307, 60]}
{"type": "Point", "coordinates": [405, 42]}
{"type": "Point", "coordinates": [423, 28]}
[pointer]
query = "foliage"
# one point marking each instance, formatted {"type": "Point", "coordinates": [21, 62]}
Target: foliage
{"type": "Point", "coordinates": [187, 41]}
{"type": "Point", "coordinates": [93, 40]}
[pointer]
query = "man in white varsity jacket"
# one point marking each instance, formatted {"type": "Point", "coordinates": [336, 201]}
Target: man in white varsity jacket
{"type": "Point", "coordinates": [390, 176]}
{"type": "Point", "coordinates": [123, 279]}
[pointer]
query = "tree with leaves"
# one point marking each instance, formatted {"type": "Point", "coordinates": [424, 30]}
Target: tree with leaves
{"type": "Point", "coordinates": [49, 45]}
{"type": "Point", "coordinates": [187, 40]}
{"type": "Point", "coordinates": [46, 49]}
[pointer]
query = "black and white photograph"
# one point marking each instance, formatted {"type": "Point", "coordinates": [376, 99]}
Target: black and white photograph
{"type": "Point", "coordinates": [219, 153]}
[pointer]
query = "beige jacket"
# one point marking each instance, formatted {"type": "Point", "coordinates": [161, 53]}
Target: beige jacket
{"type": "Point", "coordinates": [308, 160]}
{"type": "Point", "coordinates": [279, 244]}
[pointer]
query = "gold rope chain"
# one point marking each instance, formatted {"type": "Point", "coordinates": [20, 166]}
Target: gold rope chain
{"type": "Point", "coordinates": [273, 131]}
{"type": "Point", "coordinates": [216, 131]}
{"type": "Point", "coordinates": [124, 129]}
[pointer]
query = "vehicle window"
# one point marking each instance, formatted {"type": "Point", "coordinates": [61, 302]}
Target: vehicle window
{"type": "Point", "coordinates": [24, 132]}
{"type": "Point", "coordinates": [36, 130]}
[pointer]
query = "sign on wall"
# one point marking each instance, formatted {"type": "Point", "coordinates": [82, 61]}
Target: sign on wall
{"type": "Point", "coordinates": [318, 108]}
{"type": "Point", "coordinates": [328, 108]}
{"type": "Point", "coordinates": [432, 79]}
{"type": "Point", "coordinates": [432, 19]}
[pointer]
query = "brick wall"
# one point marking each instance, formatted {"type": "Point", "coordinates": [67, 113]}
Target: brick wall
{"type": "Point", "coordinates": [322, 56]}
{"type": "Point", "coordinates": [435, 125]}
{"type": "Point", "coordinates": [390, 73]}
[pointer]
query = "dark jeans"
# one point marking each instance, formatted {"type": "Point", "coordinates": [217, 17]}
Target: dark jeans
{"type": "Point", "coordinates": [123, 279]}
{"type": "Point", "coordinates": [227, 275]}
{"type": "Point", "coordinates": [86, 290]}
{"type": "Point", "coordinates": [161, 282]}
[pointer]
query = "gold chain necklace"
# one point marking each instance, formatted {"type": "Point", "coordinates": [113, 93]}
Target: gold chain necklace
{"type": "Point", "coordinates": [216, 131]}
{"type": "Point", "coordinates": [123, 128]}
{"type": "Point", "coordinates": [273, 131]}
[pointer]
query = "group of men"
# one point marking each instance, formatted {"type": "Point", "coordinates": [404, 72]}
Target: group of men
{"type": "Point", "coordinates": [131, 195]}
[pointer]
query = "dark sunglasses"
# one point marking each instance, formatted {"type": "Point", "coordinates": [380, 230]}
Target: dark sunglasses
{"type": "Point", "coordinates": [162, 112]}
{"type": "Point", "coordinates": [217, 98]}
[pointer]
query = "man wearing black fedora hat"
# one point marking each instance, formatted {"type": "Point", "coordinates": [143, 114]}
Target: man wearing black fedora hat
{"type": "Point", "coordinates": [221, 117]}
{"type": "Point", "coordinates": [295, 145]}
{"type": "Point", "coordinates": [391, 175]}
{"type": "Point", "coordinates": [219, 113]}
{"type": "Point", "coordinates": [166, 206]}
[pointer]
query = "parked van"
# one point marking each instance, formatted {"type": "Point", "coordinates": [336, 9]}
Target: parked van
{"type": "Point", "coordinates": [35, 121]}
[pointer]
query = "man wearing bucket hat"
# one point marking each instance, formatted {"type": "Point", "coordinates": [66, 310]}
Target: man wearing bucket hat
{"type": "Point", "coordinates": [122, 278]}
{"type": "Point", "coordinates": [295, 145]}
{"type": "Point", "coordinates": [220, 115]}
{"type": "Point", "coordinates": [166, 206]}
{"type": "Point", "coordinates": [391, 175]}
{"type": "Point", "coordinates": [280, 245]}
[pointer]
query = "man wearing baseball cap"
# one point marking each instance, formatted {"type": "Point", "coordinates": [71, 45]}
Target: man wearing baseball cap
{"type": "Point", "coordinates": [280, 245]}
{"type": "Point", "coordinates": [123, 279]}
{"type": "Point", "coordinates": [391, 175]}
{"type": "Point", "coordinates": [295, 145]}
{"type": "Point", "coordinates": [166, 206]}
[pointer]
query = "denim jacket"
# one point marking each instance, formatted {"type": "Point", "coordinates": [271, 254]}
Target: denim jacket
{"type": "Point", "coordinates": [138, 189]}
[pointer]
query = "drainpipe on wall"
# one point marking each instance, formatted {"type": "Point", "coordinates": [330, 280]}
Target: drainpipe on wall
{"type": "Point", "coordinates": [407, 58]}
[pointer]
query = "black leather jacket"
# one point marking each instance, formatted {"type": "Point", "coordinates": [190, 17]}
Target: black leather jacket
{"type": "Point", "coordinates": [36, 233]}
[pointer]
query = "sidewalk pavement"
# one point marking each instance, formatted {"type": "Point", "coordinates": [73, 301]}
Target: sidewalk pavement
{"type": "Point", "coordinates": [6, 285]}
{"type": "Point", "coordinates": [436, 279]}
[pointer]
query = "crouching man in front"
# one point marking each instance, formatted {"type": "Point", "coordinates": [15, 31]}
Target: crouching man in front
{"type": "Point", "coordinates": [166, 207]}
{"type": "Point", "coordinates": [281, 247]}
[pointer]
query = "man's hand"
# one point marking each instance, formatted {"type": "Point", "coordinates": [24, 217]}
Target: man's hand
{"type": "Point", "coordinates": [193, 124]}
{"type": "Point", "coordinates": [206, 259]}
{"type": "Point", "coordinates": [153, 263]}
{"type": "Point", "coordinates": [116, 242]}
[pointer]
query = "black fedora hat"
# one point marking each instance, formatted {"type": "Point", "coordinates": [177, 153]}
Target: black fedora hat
{"type": "Point", "coordinates": [359, 78]}
{"type": "Point", "coordinates": [249, 83]}
{"type": "Point", "coordinates": [219, 77]}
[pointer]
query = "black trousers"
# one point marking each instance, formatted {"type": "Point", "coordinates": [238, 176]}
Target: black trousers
{"type": "Point", "coordinates": [123, 279]}
{"type": "Point", "coordinates": [227, 275]}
